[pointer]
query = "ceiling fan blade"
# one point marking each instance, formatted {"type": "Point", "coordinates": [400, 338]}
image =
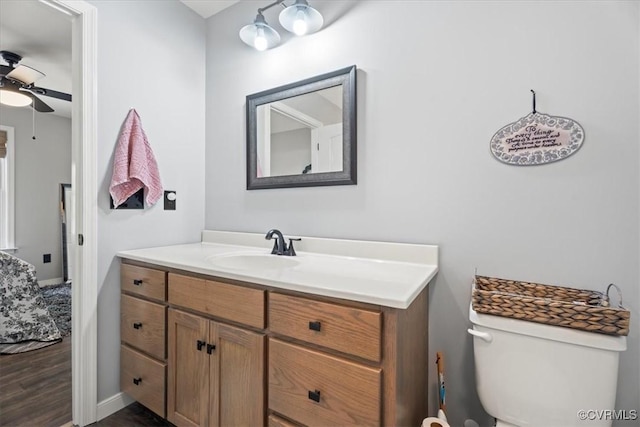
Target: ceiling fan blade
{"type": "Point", "coordinates": [24, 74]}
{"type": "Point", "coordinates": [5, 69]}
{"type": "Point", "coordinates": [40, 106]}
{"type": "Point", "coordinates": [48, 92]}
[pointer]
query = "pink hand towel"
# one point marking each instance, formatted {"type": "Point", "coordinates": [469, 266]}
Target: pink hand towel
{"type": "Point", "coordinates": [134, 166]}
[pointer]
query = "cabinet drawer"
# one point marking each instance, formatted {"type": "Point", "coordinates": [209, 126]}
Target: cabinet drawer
{"type": "Point", "coordinates": [142, 281]}
{"type": "Point", "coordinates": [316, 389]}
{"type": "Point", "coordinates": [143, 378]}
{"type": "Point", "coordinates": [232, 302]}
{"type": "Point", "coordinates": [350, 330]}
{"type": "Point", "coordinates": [275, 421]}
{"type": "Point", "coordinates": [142, 325]}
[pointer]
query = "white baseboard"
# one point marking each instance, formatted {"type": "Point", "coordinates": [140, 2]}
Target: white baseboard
{"type": "Point", "coordinates": [113, 404]}
{"type": "Point", "coordinates": [50, 282]}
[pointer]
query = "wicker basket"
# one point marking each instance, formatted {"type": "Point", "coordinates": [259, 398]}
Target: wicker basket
{"type": "Point", "coordinates": [552, 305]}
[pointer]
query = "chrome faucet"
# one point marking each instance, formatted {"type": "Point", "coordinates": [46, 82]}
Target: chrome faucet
{"type": "Point", "coordinates": [280, 247]}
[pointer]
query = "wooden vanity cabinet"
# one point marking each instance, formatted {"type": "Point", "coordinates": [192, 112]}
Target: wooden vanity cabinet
{"type": "Point", "coordinates": [239, 354]}
{"type": "Point", "coordinates": [143, 313]}
{"type": "Point", "coordinates": [216, 370]}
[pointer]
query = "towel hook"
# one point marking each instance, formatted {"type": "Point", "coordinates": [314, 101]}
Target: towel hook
{"type": "Point", "coordinates": [534, 101]}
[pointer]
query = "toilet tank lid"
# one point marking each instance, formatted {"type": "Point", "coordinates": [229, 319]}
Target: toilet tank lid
{"type": "Point", "coordinates": [549, 332]}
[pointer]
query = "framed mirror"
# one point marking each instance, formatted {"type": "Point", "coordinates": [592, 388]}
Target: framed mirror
{"type": "Point", "coordinates": [303, 134]}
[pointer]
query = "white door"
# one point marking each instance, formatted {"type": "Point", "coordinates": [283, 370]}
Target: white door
{"type": "Point", "coordinates": [326, 148]}
{"type": "Point", "coordinates": [70, 231]}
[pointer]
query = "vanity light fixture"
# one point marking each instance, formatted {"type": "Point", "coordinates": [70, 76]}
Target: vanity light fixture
{"type": "Point", "coordinates": [299, 18]}
{"type": "Point", "coordinates": [260, 35]}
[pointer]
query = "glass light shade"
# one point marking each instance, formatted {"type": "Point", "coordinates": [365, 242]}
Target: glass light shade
{"type": "Point", "coordinates": [300, 18]}
{"type": "Point", "coordinates": [14, 99]}
{"type": "Point", "coordinates": [26, 75]}
{"type": "Point", "coordinates": [260, 35]}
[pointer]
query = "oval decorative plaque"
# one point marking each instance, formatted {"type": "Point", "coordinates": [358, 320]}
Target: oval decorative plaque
{"type": "Point", "coordinates": [537, 139]}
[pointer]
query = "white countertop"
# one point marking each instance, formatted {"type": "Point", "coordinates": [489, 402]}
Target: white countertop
{"type": "Point", "coordinates": [388, 274]}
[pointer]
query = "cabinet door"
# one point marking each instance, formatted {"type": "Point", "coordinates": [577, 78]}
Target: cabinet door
{"type": "Point", "coordinates": [237, 377]}
{"type": "Point", "coordinates": [188, 382]}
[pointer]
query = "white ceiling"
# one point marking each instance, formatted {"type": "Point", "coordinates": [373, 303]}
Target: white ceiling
{"type": "Point", "coordinates": [42, 36]}
{"type": "Point", "coordinates": [207, 8]}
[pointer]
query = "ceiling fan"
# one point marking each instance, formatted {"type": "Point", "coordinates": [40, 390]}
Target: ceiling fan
{"type": "Point", "coordinates": [17, 88]}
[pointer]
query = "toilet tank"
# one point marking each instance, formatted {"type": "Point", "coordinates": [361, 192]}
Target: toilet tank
{"type": "Point", "coordinates": [537, 375]}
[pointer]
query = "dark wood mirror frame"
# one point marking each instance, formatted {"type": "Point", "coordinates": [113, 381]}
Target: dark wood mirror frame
{"type": "Point", "coordinates": [346, 78]}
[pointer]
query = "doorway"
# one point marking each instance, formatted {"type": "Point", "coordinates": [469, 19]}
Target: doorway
{"type": "Point", "coordinates": [83, 18]}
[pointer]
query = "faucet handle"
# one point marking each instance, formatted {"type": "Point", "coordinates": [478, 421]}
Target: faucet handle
{"type": "Point", "coordinates": [274, 251]}
{"type": "Point", "coordinates": [291, 251]}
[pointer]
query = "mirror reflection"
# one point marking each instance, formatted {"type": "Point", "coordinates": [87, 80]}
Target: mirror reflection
{"type": "Point", "coordinates": [303, 133]}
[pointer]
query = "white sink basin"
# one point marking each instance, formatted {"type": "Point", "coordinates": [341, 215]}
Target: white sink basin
{"type": "Point", "coordinates": [252, 261]}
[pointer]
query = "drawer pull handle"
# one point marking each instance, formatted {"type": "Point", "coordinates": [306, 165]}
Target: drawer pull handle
{"type": "Point", "coordinates": [210, 348]}
{"type": "Point", "coordinates": [200, 344]}
{"type": "Point", "coordinates": [137, 282]}
{"type": "Point", "coordinates": [137, 381]}
{"type": "Point", "coordinates": [314, 395]}
{"type": "Point", "coordinates": [314, 326]}
{"type": "Point", "coordinates": [137, 325]}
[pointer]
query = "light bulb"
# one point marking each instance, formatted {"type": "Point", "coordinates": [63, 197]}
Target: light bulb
{"type": "Point", "coordinates": [300, 24]}
{"type": "Point", "coordinates": [260, 43]}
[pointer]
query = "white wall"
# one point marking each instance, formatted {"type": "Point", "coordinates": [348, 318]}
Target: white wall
{"type": "Point", "coordinates": [41, 165]}
{"type": "Point", "coordinates": [151, 56]}
{"type": "Point", "coordinates": [435, 81]}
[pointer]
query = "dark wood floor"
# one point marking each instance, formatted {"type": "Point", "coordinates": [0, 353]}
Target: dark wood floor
{"type": "Point", "coordinates": [35, 387]}
{"type": "Point", "coordinates": [35, 390]}
{"type": "Point", "coordinates": [134, 415]}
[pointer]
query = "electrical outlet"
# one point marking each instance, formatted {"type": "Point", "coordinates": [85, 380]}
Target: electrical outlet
{"type": "Point", "coordinates": [46, 258]}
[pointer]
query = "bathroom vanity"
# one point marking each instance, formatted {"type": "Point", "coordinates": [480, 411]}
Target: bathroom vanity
{"type": "Point", "coordinates": [223, 333]}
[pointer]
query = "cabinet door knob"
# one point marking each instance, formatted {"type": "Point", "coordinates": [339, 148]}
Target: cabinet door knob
{"type": "Point", "coordinates": [137, 381]}
{"type": "Point", "coordinates": [137, 282]}
{"type": "Point", "coordinates": [314, 326]}
{"type": "Point", "coordinates": [314, 395]}
{"type": "Point", "coordinates": [200, 344]}
{"type": "Point", "coordinates": [210, 348]}
{"type": "Point", "coordinates": [137, 325]}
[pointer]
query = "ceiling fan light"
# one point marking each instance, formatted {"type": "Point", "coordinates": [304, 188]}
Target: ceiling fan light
{"type": "Point", "coordinates": [259, 35]}
{"type": "Point", "coordinates": [300, 18]}
{"type": "Point", "coordinates": [14, 99]}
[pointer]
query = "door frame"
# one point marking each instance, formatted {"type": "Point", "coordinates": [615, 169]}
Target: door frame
{"type": "Point", "coordinates": [84, 372]}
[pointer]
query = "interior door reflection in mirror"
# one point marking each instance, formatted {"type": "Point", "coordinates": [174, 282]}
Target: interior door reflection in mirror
{"type": "Point", "coordinates": [301, 134]}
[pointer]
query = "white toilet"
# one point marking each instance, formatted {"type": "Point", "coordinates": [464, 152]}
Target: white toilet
{"type": "Point", "coordinates": [536, 375]}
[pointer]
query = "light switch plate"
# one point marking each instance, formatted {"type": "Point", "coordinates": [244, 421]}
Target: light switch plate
{"type": "Point", "coordinates": [169, 200]}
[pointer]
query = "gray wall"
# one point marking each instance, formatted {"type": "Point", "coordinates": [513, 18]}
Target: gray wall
{"type": "Point", "coordinates": [151, 56]}
{"type": "Point", "coordinates": [290, 152]}
{"type": "Point", "coordinates": [436, 80]}
{"type": "Point", "coordinates": [41, 166]}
